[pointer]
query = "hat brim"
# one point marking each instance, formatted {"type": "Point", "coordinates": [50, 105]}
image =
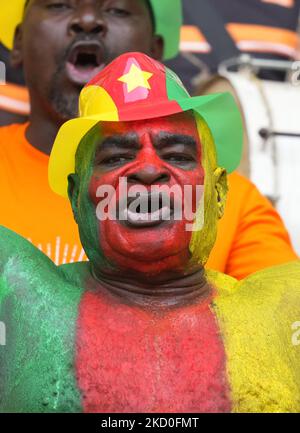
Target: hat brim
{"type": "Point", "coordinates": [219, 111]}
{"type": "Point", "coordinates": [12, 13]}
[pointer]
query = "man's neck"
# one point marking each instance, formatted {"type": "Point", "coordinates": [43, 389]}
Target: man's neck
{"type": "Point", "coordinates": [42, 130]}
{"type": "Point", "coordinates": [167, 292]}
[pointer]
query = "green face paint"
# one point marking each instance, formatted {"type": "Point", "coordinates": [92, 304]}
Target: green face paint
{"type": "Point", "coordinates": [83, 208]}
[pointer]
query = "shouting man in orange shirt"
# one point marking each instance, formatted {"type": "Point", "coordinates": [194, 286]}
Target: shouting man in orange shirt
{"type": "Point", "coordinates": [61, 45]}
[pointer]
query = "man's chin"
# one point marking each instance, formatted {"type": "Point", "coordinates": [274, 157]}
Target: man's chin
{"type": "Point", "coordinates": [148, 249]}
{"type": "Point", "coordinates": [132, 263]}
{"type": "Point", "coordinates": [65, 105]}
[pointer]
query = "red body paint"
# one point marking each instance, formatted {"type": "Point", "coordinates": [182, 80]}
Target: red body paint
{"type": "Point", "coordinates": [130, 359]}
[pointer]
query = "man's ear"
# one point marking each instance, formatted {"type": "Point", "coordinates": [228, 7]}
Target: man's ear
{"type": "Point", "coordinates": [157, 50]}
{"type": "Point", "coordinates": [73, 193]}
{"type": "Point", "coordinates": [221, 188]}
{"type": "Point", "coordinates": [16, 55]}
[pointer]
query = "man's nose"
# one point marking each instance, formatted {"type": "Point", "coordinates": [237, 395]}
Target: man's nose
{"type": "Point", "coordinates": [149, 175]}
{"type": "Point", "coordinates": [87, 19]}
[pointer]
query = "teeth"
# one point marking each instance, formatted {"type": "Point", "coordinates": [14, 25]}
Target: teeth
{"type": "Point", "coordinates": [150, 208]}
{"type": "Point", "coordinates": [162, 214]}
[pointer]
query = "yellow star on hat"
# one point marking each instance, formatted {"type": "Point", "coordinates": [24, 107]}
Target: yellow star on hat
{"type": "Point", "coordinates": [136, 78]}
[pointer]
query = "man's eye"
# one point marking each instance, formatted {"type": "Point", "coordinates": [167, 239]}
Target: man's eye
{"type": "Point", "coordinates": [117, 160]}
{"type": "Point", "coordinates": [177, 158]}
{"type": "Point", "coordinates": [118, 12]}
{"type": "Point", "coordinates": [58, 6]}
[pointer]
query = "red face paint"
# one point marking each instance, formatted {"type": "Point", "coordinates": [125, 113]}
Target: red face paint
{"type": "Point", "coordinates": [155, 161]}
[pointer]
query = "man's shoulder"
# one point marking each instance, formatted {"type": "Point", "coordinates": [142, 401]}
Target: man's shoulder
{"type": "Point", "coordinates": [27, 274]}
{"type": "Point", "coordinates": [19, 257]}
{"type": "Point", "coordinates": [271, 286]}
{"type": "Point", "coordinates": [258, 320]}
{"type": "Point", "coordinates": [271, 297]}
{"type": "Point", "coordinates": [284, 273]}
{"type": "Point", "coordinates": [22, 264]}
{"type": "Point", "coordinates": [278, 283]}
{"type": "Point", "coordinates": [267, 297]}
{"type": "Point", "coordinates": [40, 309]}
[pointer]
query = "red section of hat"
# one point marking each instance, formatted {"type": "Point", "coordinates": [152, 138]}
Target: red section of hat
{"type": "Point", "coordinates": [140, 102]}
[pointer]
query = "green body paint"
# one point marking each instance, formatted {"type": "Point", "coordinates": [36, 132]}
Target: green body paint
{"type": "Point", "coordinates": [39, 309]}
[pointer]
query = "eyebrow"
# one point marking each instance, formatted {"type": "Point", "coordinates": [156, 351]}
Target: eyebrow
{"type": "Point", "coordinates": [164, 139]}
{"type": "Point", "coordinates": [127, 141]}
{"type": "Point", "coordinates": [160, 140]}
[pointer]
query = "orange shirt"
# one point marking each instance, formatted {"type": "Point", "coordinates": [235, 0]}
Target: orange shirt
{"type": "Point", "coordinates": [251, 234]}
{"type": "Point", "coordinates": [28, 205]}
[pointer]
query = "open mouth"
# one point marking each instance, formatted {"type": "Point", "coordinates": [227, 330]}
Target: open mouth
{"type": "Point", "coordinates": [146, 210]}
{"type": "Point", "coordinates": [85, 60]}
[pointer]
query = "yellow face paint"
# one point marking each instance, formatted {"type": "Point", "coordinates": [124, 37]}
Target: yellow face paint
{"type": "Point", "coordinates": [215, 189]}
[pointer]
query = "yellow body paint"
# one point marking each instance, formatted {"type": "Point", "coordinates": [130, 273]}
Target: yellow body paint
{"type": "Point", "coordinates": [256, 318]}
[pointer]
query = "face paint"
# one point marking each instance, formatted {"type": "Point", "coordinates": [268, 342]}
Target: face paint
{"type": "Point", "coordinates": [152, 154]}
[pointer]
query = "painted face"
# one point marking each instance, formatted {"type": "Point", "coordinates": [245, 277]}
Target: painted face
{"type": "Point", "coordinates": [73, 40]}
{"type": "Point", "coordinates": [161, 160]}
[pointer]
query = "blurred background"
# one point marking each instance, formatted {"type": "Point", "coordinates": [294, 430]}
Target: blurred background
{"type": "Point", "coordinates": [251, 48]}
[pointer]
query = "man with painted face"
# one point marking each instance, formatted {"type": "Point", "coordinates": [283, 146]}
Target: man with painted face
{"type": "Point", "coordinates": [142, 327]}
{"type": "Point", "coordinates": [61, 45]}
